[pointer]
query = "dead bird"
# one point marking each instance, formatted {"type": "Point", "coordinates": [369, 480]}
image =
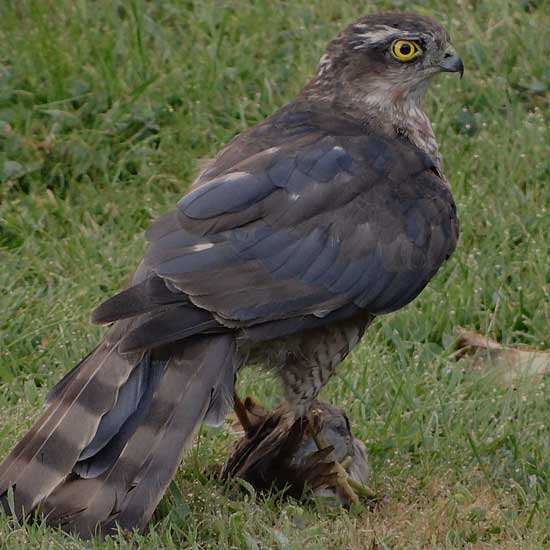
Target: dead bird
{"type": "Point", "coordinates": [315, 454]}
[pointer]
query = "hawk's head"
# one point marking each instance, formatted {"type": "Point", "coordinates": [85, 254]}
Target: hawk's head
{"type": "Point", "coordinates": [386, 58]}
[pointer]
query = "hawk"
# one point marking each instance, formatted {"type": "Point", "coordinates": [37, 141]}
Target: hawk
{"type": "Point", "coordinates": [301, 231]}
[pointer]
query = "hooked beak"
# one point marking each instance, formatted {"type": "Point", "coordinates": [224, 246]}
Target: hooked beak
{"type": "Point", "coordinates": [451, 62]}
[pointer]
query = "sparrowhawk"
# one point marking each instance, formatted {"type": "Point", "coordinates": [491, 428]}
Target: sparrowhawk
{"type": "Point", "coordinates": [301, 231]}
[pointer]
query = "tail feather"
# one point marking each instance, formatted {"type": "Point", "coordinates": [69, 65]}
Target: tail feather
{"type": "Point", "coordinates": [178, 432]}
{"type": "Point", "coordinates": [130, 396]}
{"type": "Point", "coordinates": [54, 394]}
{"type": "Point", "coordinates": [114, 433]}
{"type": "Point", "coordinates": [96, 459]}
{"type": "Point", "coordinates": [48, 452]}
{"type": "Point", "coordinates": [222, 398]}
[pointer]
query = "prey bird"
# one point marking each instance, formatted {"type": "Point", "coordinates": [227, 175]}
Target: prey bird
{"type": "Point", "coordinates": [301, 231]}
{"type": "Point", "coordinates": [309, 456]}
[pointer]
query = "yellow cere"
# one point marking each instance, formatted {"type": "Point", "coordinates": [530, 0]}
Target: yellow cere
{"type": "Point", "coordinates": [405, 50]}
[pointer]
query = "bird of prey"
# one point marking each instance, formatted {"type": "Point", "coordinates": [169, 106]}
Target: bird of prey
{"type": "Point", "coordinates": [301, 231]}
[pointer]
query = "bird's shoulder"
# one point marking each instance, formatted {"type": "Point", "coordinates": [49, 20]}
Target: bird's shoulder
{"type": "Point", "coordinates": [307, 130]}
{"type": "Point", "coordinates": [291, 127]}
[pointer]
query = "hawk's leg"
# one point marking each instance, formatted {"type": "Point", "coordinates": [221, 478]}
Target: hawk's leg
{"type": "Point", "coordinates": [314, 357]}
{"type": "Point", "coordinates": [306, 372]}
{"type": "Point", "coordinates": [341, 474]}
{"type": "Point", "coordinates": [352, 489]}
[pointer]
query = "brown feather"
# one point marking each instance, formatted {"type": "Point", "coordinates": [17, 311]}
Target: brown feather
{"type": "Point", "coordinates": [128, 493]}
{"type": "Point", "coordinates": [48, 452]}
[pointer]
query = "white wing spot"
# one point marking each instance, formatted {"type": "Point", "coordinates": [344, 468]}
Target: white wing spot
{"type": "Point", "coordinates": [233, 176]}
{"type": "Point", "coordinates": [200, 247]}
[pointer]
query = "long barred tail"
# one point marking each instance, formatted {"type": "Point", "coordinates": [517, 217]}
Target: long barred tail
{"type": "Point", "coordinates": [113, 434]}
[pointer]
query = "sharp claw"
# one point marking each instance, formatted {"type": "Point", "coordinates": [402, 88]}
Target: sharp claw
{"type": "Point", "coordinates": [346, 463]}
{"type": "Point", "coordinates": [350, 488]}
{"type": "Point", "coordinates": [321, 454]}
{"type": "Point", "coordinates": [342, 476]}
{"type": "Point", "coordinates": [315, 423]}
{"type": "Point", "coordinates": [363, 490]}
{"type": "Point", "coordinates": [329, 480]}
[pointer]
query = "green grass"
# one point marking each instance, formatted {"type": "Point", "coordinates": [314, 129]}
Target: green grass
{"type": "Point", "coordinates": [105, 109]}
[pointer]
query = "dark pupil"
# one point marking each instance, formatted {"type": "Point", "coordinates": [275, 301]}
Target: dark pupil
{"type": "Point", "coordinates": [405, 49]}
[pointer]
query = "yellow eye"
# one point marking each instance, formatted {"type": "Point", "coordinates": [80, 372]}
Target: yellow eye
{"type": "Point", "coordinates": [405, 50]}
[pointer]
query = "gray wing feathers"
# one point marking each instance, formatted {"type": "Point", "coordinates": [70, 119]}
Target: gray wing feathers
{"type": "Point", "coordinates": [168, 326]}
{"type": "Point", "coordinates": [149, 295]}
{"type": "Point", "coordinates": [357, 220]}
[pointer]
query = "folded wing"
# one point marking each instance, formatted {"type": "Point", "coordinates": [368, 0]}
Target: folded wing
{"type": "Point", "coordinates": [338, 223]}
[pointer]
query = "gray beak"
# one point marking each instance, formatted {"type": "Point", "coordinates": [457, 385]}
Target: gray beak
{"type": "Point", "coordinates": [452, 63]}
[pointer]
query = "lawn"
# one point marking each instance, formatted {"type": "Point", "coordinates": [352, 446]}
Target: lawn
{"type": "Point", "coordinates": [106, 108]}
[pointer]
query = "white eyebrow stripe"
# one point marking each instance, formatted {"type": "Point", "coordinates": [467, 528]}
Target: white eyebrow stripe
{"type": "Point", "coordinates": [379, 33]}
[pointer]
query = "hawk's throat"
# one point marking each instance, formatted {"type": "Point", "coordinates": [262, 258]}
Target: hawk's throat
{"type": "Point", "coordinates": [390, 103]}
{"type": "Point", "coordinates": [400, 108]}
